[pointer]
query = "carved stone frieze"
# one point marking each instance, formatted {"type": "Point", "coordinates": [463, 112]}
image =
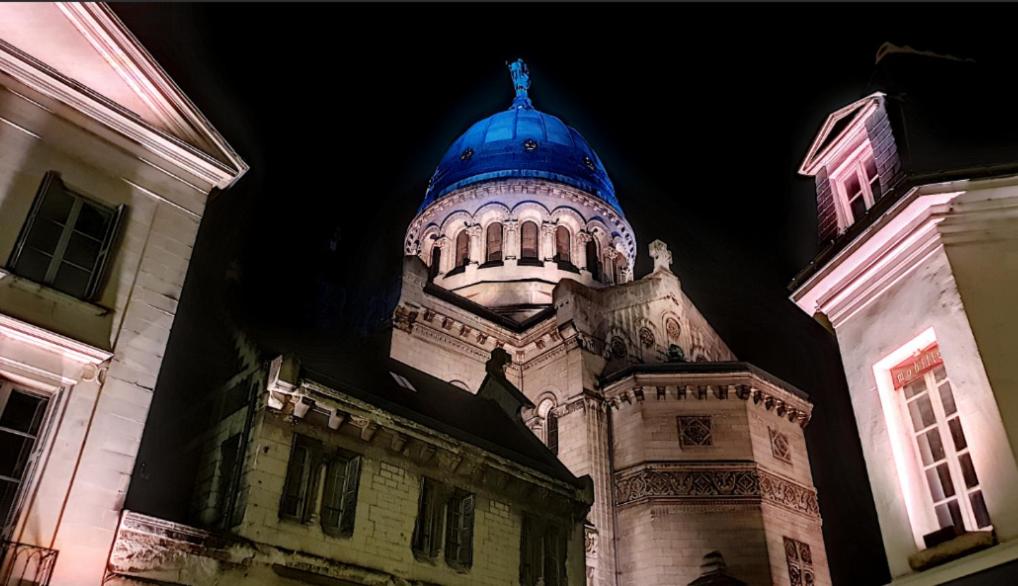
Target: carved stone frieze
{"type": "Point", "coordinates": [678, 483]}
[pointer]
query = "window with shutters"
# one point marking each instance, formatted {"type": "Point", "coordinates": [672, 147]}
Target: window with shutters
{"type": "Point", "coordinates": [462, 249]}
{"type": "Point", "coordinates": [426, 540]}
{"type": "Point", "coordinates": [529, 241]}
{"type": "Point", "coordinates": [229, 472]}
{"type": "Point", "coordinates": [66, 241]}
{"type": "Point", "coordinates": [543, 546]}
{"type": "Point", "coordinates": [21, 423]}
{"type": "Point", "coordinates": [459, 535]}
{"type": "Point", "coordinates": [563, 244]}
{"type": "Point", "coordinates": [493, 242]}
{"type": "Point", "coordinates": [298, 490]}
{"type": "Point", "coordinates": [593, 260]}
{"type": "Point", "coordinates": [856, 185]}
{"type": "Point", "coordinates": [339, 495]}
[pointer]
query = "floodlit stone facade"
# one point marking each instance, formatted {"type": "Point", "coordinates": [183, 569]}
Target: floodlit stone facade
{"type": "Point", "coordinates": [916, 280]}
{"type": "Point", "coordinates": [254, 532]}
{"type": "Point", "coordinates": [105, 168]}
{"type": "Point", "coordinates": [691, 452]}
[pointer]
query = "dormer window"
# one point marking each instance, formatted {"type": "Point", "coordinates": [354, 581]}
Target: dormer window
{"type": "Point", "coordinates": [857, 185]}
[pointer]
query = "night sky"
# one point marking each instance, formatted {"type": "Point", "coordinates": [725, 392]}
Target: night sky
{"type": "Point", "coordinates": [701, 115]}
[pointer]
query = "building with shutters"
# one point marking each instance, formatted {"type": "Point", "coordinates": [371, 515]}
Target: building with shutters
{"type": "Point", "coordinates": [917, 203]}
{"type": "Point", "coordinates": [105, 171]}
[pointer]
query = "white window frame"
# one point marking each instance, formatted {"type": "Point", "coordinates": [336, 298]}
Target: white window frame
{"type": "Point", "coordinates": [901, 437]}
{"type": "Point", "coordinates": [30, 478]}
{"type": "Point", "coordinates": [853, 165]}
{"type": "Point", "coordinates": [962, 493]}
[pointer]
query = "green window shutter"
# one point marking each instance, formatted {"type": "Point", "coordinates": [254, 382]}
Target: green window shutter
{"type": "Point", "coordinates": [332, 494]}
{"type": "Point", "coordinates": [352, 475]}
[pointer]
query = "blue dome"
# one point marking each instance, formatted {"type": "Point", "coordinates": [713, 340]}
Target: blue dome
{"type": "Point", "coordinates": [521, 142]}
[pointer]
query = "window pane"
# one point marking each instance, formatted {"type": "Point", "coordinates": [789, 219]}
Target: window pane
{"type": "Point", "coordinates": [56, 204]}
{"type": "Point", "coordinates": [858, 206]}
{"type": "Point", "coordinates": [295, 479]}
{"type": "Point", "coordinates": [44, 235]}
{"type": "Point", "coordinates": [462, 248]}
{"type": "Point", "coordinates": [851, 185]}
{"type": "Point", "coordinates": [955, 510]}
{"type": "Point", "coordinates": [939, 479]}
{"type": "Point", "coordinates": [14, 452]}
{"type": "Point", "coordinates": [947, 398]}
{"type": "Point", "coordinates": [931, 449]}
{"type": "Point", "coordinates": [875, 188]}
{"type": "Point", "coordinates": [32, 264]}
{"type": "Point", "coordinates": [494, 242]}
{"type": "Point", "coordinates": [939, 373]}
{"type": "Point", "coordinates": [562, 245]}
{"type": "Point", "coordinates": [871, 168]}
{"type": "Point", "coordinates": [979, 509]}
{"type": "Point", "coordinates": [914, 388]}
{"type": "Point", "coordinates": [72, 280]}
{"type": "Point", "coordinates": [957, 434]}
{"type": "Point", "coordinates": [93, 221]}
{"type": "Point", "coordinates": [968, 471]}
{"type": "Point", "coordinates": [8, 490]}
{"type": "Point", "coordinates": [82, 251]}
{"type": "Point", "coordinates": [22, 413]}
{"type": "Point", "coordinates": [943, 516]}
{"type": "Point", "coordinates": [922, 412]}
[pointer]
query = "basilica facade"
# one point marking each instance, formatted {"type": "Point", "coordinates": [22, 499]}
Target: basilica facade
{"type": "Point", "coordinates": [521, 244]}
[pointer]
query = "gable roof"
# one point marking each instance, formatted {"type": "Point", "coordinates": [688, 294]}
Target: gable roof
{"type": "Point", "coordinates": [833, 127]}
{"type": "Point", "coordinates": [83, 56]}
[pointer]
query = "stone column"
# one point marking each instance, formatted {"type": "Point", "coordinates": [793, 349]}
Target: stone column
{"type": "Point", "coordinates": [446, 262]}
{"type": "Point", "coordinates": [511, 242]}
{"type": "Point", "coordinates": [546, 246]}
{"type": "Point", "coordinates": [474, 232]}
{"type": "Point", "coordinates": [580, 250]}
{"type": "Point", "coordinates": [598, 419]}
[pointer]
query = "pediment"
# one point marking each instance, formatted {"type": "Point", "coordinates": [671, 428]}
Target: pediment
{"type": "Point", "coordinates": [835, 126]}
{"type": "Point", "coordinates": [84, 56]}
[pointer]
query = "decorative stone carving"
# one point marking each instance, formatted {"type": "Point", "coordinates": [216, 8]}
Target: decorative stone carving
{"type": "Point", "coordinates": [673, 329]}
{"type": "Point", "coordinates": [779, 445]}
{"type": "Point", "coordinates": [694, 430]}
{"type": "Point", "coordinates": [788, 494]}
{"type": "Point", "coordinates": [647, 337]}
{"type": "Point", "coordinates": [617, 347]}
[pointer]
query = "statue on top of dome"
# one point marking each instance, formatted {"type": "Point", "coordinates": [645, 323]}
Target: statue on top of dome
{"type": "Point", "coordinates": [521, 77]}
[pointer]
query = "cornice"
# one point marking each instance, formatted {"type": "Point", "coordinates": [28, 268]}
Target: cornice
{"type": "Point", "coordinates": [52, 342]}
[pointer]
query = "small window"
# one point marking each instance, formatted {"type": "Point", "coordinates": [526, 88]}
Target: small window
{"type": "Point", "coordinates": [459, 537]}
{"type": "Point", "coordinates": [21, 418]}
{"type": "Point", "coordinates": [562, 244]}
{"type": "Point", "coordinates": [339, 496]}
{"type": "Point", "coordinates": [621, 265]}
{"type": "Point", "coordinates": [542, 553]}
{"type": "Point", "coordinates": [593, 260]}
{"type": "Point", "coordinates": [462, 249]}
{"type": "Point", "coordinates": [528, 241]}
{"type": "Point", "coordinates": [426, 540]}
{"type": "Point", "coordinates": [494, 242]}
{"type": "Point", "coordinates": [858, 185]}
{"type": "Point", "coordinates": [299, 490]}
{"type": "Point", "coordinates": [66, 241]}
{"type": "Point", "coordinates": [436, 261]}
{"type": "Point", "coordinates": [552, 432]}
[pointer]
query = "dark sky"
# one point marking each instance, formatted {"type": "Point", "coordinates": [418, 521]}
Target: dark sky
{"type": "Point", "coordinates": [700, 113]}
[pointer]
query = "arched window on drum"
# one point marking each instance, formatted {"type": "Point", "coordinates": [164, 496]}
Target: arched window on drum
{"type": "Point", "coordinates": [493, 242]}
{"type": "Point", "coordinates": [529, 241]}
{"type": "Point", "coordinates": [563, 244]}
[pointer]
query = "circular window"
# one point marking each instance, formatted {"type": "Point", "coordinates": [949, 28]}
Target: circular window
{"type": "Point", "coordinates": [467, 154]}
{"type": "Point", "coordinates": [530, 145]}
